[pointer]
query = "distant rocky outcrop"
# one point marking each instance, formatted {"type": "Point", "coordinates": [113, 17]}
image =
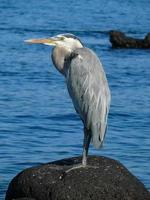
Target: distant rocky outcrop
{"type": "Point", "coordinates": [25, 198]}
{"type": "Point", "coordinates": [120, 40]}
{"type": "Point", "coordinates": [104, 179]}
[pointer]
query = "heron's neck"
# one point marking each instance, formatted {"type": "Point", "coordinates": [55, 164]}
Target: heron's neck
{"type": "Point", "coordinates": [58, 57]}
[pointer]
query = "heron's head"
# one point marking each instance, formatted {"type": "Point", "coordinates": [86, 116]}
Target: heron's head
{"type": "Point", "coordinates": [68, 41]}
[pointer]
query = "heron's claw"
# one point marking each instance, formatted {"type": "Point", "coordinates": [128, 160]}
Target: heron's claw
{"type": "Point", "coordinates": [62, 175]}
{"type": "Point", "coordinates": [75, 167]}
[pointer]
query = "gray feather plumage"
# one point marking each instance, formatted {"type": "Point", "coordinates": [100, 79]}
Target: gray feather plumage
{"type": "Point", "coordinates": [89, 91]}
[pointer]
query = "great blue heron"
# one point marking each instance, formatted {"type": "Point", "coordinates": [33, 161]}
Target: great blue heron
{"type": "Point", "coordinates": [86, 82]}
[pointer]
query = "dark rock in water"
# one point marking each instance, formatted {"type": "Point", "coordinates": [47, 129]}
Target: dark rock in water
{"type": "Point", "coordinates": [104, 179]}
{"type": "Point", "coordinates": [25, 198]}
{"type": "Point", "coordinates": [120, 40]}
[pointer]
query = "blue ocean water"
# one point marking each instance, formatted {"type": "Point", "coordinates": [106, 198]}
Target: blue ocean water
{"type": "Point", "coordinates": [38, 123]}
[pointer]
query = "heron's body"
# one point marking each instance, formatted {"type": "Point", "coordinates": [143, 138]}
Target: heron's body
{"type": "Point", "coordinates": [88, 88]}
{"type": "Point", "coordinates": [87, 85]}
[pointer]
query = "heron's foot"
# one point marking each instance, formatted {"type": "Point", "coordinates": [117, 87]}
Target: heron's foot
{"type": "Point", "coordinates": [76, 167]}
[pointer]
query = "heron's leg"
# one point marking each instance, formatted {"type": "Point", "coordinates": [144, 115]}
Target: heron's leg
{"type": "Point", "coordinates": [86, 143]}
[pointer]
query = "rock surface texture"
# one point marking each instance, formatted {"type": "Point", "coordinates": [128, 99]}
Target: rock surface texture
{"type": "Point", "coordinates": [104, 179]}
{"type": "Point", "coordinates": [120, 40]}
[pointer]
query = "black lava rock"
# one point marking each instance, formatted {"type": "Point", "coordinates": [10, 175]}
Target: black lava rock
{"type": "Point", "coordinates": [120, 40]}
{"type": "Point", "coordinates": [104, 179]}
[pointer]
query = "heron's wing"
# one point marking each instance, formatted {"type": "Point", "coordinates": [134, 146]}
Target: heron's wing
{"type": "Point", "coordinates": [88, 88]}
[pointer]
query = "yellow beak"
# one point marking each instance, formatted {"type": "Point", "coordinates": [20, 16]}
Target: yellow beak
{"type": "Point", "coordinates": [47, 41]}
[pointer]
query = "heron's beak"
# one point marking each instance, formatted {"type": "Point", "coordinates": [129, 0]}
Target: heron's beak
{"type": "Point", "coordinates": [48, 41]}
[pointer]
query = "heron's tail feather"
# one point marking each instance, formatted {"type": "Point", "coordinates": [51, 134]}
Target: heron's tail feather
{"type": "Point", "coordinates": [98, 134]}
